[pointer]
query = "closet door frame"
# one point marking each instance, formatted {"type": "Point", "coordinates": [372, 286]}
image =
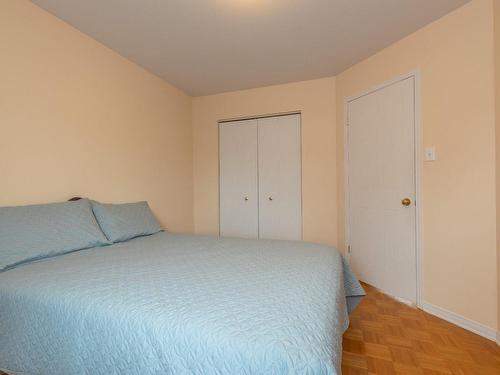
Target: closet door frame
{"type": "Point", "coordinates": [257, 117]}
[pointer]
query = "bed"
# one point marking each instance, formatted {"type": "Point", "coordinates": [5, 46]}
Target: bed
{"type": "Point", "coordinates": [178, 304]}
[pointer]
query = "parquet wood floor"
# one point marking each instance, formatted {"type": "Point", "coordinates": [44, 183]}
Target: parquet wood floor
{"type": "Point", "coordinates": [389, 337]}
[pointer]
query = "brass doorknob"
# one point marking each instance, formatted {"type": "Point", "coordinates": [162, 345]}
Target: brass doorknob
{"type": "Point", "coordinates": [406, 202]}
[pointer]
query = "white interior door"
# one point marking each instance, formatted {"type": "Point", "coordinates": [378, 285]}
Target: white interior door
{"type": "Point", "coordinates": [238, 179]}
{"type": "Point", "coordinates": [381, 173]}
{"type": "Point", "coordinates": [280, 197]}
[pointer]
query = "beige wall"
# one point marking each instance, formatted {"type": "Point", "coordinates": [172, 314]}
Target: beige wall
{"type": "Point", "coordinates": [455, 58]}
{"type": "Point", "coordinates": [497, 128]}
{"type": "Point", "coordinates": [78, 119]}
{"type": "Point", "coordinates": [316, 100]}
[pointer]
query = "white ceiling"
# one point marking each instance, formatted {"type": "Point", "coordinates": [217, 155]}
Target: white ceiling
{"type": "Point", "coordinates": [211, 46]}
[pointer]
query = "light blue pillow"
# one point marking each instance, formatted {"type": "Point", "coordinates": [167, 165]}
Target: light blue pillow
{"type": "Point", "coordinates": [39, 231]}
{"type": "Point", "coordinates": [122, 222]}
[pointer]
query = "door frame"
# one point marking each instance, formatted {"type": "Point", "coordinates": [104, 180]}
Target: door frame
{"type": "Point", "coordinates": [415, 74]}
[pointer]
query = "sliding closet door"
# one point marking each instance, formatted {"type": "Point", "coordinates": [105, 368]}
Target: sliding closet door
{"type": "Point", "coordinates": [280, 197]}
{"type": "Point", "coordinates": [238, 179]}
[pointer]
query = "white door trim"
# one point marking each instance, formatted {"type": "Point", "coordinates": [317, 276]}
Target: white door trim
{"type": "Point", "coordinates": [418, 170]}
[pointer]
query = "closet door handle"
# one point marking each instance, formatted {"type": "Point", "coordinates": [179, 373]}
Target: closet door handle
{"type": "Point", "coordinates": [246, 198]}
{"type": "Point", "coordinates": [270, 198]}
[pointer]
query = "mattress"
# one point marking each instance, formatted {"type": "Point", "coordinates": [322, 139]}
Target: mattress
{"type": "Point", "coordinates": [178, 304]}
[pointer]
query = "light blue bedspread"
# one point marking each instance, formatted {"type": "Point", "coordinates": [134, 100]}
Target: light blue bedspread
{"type": "Point", "coordinates": [178, 304]}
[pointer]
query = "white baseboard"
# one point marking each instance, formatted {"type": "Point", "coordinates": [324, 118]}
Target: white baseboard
{"type": "Point", "coordinates": [461, 321]}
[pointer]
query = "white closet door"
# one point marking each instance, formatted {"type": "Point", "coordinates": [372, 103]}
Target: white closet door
{"type": "Point", "coordinates": [280, 203]}
{"type": "Point", "coordinates": [238, 179]}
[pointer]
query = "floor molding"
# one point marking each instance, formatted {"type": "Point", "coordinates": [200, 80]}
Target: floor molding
{"type": "Point", "coordinates": [461, 321]}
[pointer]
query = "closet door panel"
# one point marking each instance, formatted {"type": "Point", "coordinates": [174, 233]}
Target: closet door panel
{"type": "Point", "coordinates": [280, 206]}
{"type": "Point", "coordinates": [238, 179]}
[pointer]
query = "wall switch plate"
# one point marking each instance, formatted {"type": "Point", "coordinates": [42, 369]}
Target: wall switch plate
{"type": "Point", "coordinates": [430, 153]}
